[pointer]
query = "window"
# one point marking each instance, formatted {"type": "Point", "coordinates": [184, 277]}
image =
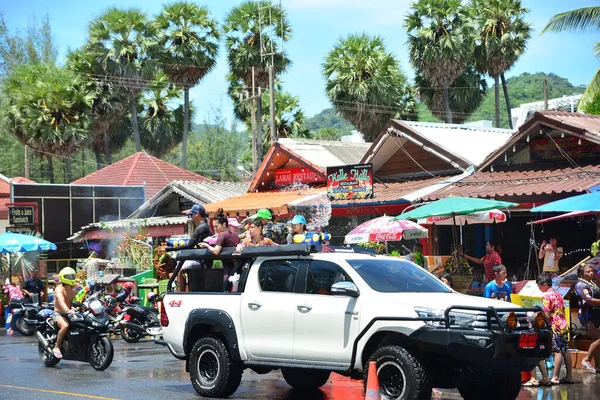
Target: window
{"type": "Point", "coordinates": [322, 275]}
{"type": "Point", "coordinates": [278, 275]}
{"type": "Point", "coordinates": [397, 276]}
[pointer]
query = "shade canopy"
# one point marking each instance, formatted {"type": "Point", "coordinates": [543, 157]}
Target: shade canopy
{"type": "Point", "coordinates": [385, 229]}
{"type": "Point", "coordinates": [454, 206]}
{"type": "Point", "coordinates": [583, 202]}
{"type": "Point", "coordinates": [18, 243]}
{"type": "Point", "coordinates": [572, 214]}
{"type": "Point", "coordinates": [481, 217]}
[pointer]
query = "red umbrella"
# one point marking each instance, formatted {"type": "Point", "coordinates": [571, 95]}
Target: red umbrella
{"type": "Point", "coordinates": [385, 229]}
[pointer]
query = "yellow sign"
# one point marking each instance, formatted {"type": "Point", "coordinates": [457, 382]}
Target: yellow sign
{"type": "Point", "coordinates": [536, 301]}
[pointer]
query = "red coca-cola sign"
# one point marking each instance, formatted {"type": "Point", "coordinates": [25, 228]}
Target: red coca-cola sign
{"type": "Point", "coordinates": [289, 176]}
{"type": "Point", "coordinates": [387, 237]}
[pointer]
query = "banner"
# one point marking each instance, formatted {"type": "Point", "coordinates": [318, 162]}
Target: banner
{"type": "Point", "coordinates": [289, 176]}
{"type": "Point", "coordinates": [546, 149]}
{"type": "Point", "coordinates": [21, 215]}
{"type": "Point", "coordinates": [350, 182]}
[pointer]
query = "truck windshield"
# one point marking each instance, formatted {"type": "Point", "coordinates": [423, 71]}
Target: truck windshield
{"type": "Point", "coordinates": [389, 275]}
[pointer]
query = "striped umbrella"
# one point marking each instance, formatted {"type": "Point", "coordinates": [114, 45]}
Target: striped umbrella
{"type": "Point", "coordinates": [385, 229]}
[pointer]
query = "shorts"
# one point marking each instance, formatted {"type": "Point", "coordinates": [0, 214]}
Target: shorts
{"type": "Point", "coordinates": [560, 342]}
{"type": "Point", "coordinates": [56, 316]}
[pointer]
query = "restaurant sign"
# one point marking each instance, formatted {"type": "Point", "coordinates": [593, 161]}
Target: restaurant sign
{"type": "Point", "coordinates": [548, 150]}
{"type": "Point", "coordinates": [23, 215]}
{"type": "Point", "coordinates": [289, 176]}
{"type": "Point", "coordinates": [350, 182]}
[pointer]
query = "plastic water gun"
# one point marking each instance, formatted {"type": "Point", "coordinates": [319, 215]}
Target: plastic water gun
{"type": "Point", "coordinates": [312, 237]}
{"type": "Point", "coordinates": [80, 296]}
{"type": "Point", "coordinates": [177, 242]}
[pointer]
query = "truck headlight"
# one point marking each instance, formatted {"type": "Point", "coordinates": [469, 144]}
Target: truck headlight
{"type": "Point", "coordinates": [457, 319]}
{"type": "Point", "coordinates": [424, 312]}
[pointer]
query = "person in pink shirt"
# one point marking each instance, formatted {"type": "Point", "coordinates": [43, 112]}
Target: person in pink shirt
{"type": "Point", "coordinates": [489, 261]}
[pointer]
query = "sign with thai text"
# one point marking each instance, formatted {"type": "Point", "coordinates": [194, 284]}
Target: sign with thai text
{"type": "Point", "coordinates": [551, 149]}
{"type": "Point", "coordinates": [350, 182]}
{"type": "Point", "coordinates": [24, 215]}
{"type": "Point", "coordinates": [289, 176]}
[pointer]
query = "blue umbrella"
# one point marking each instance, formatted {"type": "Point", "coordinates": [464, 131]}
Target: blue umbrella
{"type": "Point", "coordinates": [583, 202]}
{"type": "Point", "coordinates": [18, 243]}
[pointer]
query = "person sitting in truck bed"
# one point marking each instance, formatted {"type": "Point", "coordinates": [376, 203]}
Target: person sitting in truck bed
{"type": "Point", "coordinates": [225, 238]}
{"type": "Point", "coordinates": [256, 237]}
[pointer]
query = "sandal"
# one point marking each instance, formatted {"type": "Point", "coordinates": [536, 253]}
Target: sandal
{"type": "Point", "coordinates": [531, 384]}
{"type": "Point", "coordinates": [56, 353]}
{"type": "Point", "coordinates": [547, 383]}
{"type": "Point", "coordinates": [565, 381]}
{"type": "Point", "coordinates": [588, 367]}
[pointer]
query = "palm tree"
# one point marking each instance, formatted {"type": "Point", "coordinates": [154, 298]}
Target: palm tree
{"type": "Point", "coordinates": [162, 126]}
{"type": "Point", "coordinates": [48, 108]}
{"type": "Point", "coordinates": [466, 94]}
{"type": "Point", "coordinates": [120, 38]}
{"type": "Point", "coordinates": [188, 46]}
{"type": "Point", "coordinates": [365, 83]}
{"type": "Point", "coordinates": [440, 41]}
{"type": "Point", "coordinates": [502, 39]}
{"type": "Point", "coordinates": [585, 20]}
{"type": "Point", "coordinates": [110, 101]}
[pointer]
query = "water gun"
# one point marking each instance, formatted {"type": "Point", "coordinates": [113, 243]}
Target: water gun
{"type": "Point", "coordinates": [312, 237]}
{"type": "Point", "coordinates": [80, 296]}
{"type": "Point", "coordinates": [177, 242]}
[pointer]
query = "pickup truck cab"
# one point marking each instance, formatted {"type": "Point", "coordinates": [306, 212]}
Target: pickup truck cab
{"type": "Point", "coordinates": [312, 313]}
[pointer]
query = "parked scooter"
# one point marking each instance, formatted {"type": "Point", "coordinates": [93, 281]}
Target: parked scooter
{"type": "Point", "coordinates": [21, 313]}
{"type": "Point", "coordinates": [86, 341]}
{"type": "Point", "coordinates": [138, 321]}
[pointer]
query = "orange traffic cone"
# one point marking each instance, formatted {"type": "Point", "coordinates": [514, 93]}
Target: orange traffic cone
{"type": "Point", "coordinates": [372, 392]}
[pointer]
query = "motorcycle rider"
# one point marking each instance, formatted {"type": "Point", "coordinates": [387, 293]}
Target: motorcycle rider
{"type": "Point", "coordinates": [63, 298]}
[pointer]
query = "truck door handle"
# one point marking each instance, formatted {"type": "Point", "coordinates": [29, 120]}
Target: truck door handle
{"type": "Point", "coordinates": [254, 304]}
{"type": "Point", "coordinates": [302, 307]}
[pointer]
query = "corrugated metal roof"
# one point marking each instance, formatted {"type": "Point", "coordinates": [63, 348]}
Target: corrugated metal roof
{"type": "Point", "coordinates": [511, 183]}
{"type": "Point", "coordinates": [588, 122]}
{"type": "Point", "coordinates": [468, 142]}
{"type": "Point", "coordinates": [327, 153]}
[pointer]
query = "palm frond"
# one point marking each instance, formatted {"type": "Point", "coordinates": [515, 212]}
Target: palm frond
{"type": "Point", "coordinates": [585, 19]}
{"type": "Point", "coordinates": [592, 89]}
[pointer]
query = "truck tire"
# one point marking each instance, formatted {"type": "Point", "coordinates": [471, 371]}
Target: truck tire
{"type": "Point", "coordinates": [401, 375]}
{"type": "Point", "coordinates": [212, 370]}
{"type": "Point", "coordinates": [305, 379]}
{"type": "Point", "coordinates": [495, 387]}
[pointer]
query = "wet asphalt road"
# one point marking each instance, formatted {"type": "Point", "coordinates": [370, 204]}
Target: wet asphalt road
{"type": "Point", "coordinates": [147, 371]}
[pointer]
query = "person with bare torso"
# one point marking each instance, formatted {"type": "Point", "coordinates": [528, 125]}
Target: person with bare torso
{"type": "Point", "coordinates": [63, 298]}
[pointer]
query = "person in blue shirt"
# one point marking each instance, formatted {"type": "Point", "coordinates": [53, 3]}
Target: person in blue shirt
{"type": "Point", "coordinates": [498, 289]}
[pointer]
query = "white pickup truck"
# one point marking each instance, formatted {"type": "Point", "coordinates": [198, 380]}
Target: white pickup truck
{"type": "Point", "coordinates": [312, 313]}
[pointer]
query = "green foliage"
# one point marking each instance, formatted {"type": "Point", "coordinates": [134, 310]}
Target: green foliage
{"type": "Point", "coordinates": [365, 84]}
{"type": "Point", "coordinates": [594, 248]}
{"type": "Point", "coordinates": [329, 119]}
{"type": "Point", "coordinates": [525, 88]}
{"type": "Point", "coordinates": [594, 106]}
{"type": "Point", "coordinates": [326, 134]}
{"type": "Point", "coordinates": [379, 247]}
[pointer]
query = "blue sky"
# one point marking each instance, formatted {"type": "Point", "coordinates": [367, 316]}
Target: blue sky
{"type": "Point", "coordinates": [317, 25]}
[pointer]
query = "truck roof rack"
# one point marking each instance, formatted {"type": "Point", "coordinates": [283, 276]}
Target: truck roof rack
{"type": "Point", "coordinates": [229, 253]}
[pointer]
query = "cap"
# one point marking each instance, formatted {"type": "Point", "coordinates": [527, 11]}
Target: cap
{"type": "Point", "coordinates": [298, 219]}
{"type": "Point", "coordinates": [262, 213]}
{"type": "Point", "coordinates": [196, 209]}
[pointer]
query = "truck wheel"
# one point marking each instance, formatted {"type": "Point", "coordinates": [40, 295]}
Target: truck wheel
{"type": "Point", "coordinates": [212, 370]}
{"type": "Point", "coordinates": [495, 387]}
{"type": "Point", "coordinates": [401, 375]}
{"type": "Point", "coordinates": [305, 379]}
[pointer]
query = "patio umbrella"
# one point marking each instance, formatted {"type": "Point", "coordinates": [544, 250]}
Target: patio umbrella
{"type": "Point", "coordinates": [18, 243]}
{"type": "Point", "coordinates": [480, 217]}
{"type": "Point", "coordinates": [385, 229]}
{"type": "Point", "coordinates": [583, 202]}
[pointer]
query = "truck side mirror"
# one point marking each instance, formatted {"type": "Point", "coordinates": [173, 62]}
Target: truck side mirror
{"type": "Point", "coordinates": [345, 289]}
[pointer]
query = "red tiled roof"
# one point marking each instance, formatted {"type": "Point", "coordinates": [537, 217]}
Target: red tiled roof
{"type": "Point", "coordinates": [20, 179]}
{"type": "Point", "coordinates": [4, 208]}
{"type": "Point", "coordinates": [140, 169]}
{"type": "Point", "coordinates": [531, 182]}
{"type": "Point", "coordinates": [4, 187]}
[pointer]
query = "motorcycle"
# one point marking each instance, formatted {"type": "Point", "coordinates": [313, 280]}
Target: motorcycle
{"type": "Point", "coordinates": [115, 306]}
{"type": "Point", "coordinates": [21, 313]}
{"type": "Point", "coordinates": [138, 321]}
{"type": "Point", "coordinates": [86, 341]}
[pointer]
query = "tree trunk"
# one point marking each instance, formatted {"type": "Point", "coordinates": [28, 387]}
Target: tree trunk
{"type": "Point", "coordinates": [507, 100]}
{"type": "Point", "coordinates": [447, 105]}
{"type": "Point", "coordinates": [98, 156]}
{"type": "Point", "coordinates": [107, 148]}
{"type": "Point", "coordinates": [83, 163]}
{"type": "Point", "coordinates": [186, 126]}
{"type": "Point", "coordinates": [69, 170]}
{"type": "Point", "coordinates": [134, 122]}
{"type": "Point", "coordinates": [497, 100]}
{"type": "Point", "coordinates": [50, 168]}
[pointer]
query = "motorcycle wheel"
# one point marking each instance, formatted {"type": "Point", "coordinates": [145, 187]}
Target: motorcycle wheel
{"type": "Point", "coordinates": [130, 336]}
{"type": "Point", "coordinates": [101, 353]}
{"type": "Point", "coordinates": [23, 327]}
{"type": "Point", "coordinates": [47, 358]}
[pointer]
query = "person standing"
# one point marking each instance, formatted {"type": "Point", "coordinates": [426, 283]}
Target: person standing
{"type": "Point", "coordinates": [498, 289]}
{"type": "Point", "coordinates": [275, 231]}
{"type": "Point", "coordinates": [256, 238]}
{"type": "Point", "coordinates": [588, 295]}
{"type": "Point", "coordinates": [226, 238]}
{"type": "Point", "coordinates": [551, 254]}
{"type": "Point", "coordinates": [34, 286]}
{"type": "Point", "coordinates": [554, 308]}
{"type": "Point", "coordinates": [491, 259]}
{"type": "Point", "coordinates": [417, 256]}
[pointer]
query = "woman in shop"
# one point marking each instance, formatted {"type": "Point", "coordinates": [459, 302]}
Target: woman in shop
{"type": "Point", "coordinates": [588, 295]}
{"type": "Point", "coordinates": [489, 261]}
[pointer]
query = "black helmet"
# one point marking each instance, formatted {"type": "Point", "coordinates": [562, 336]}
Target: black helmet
{"type": "Point", "coordinates": [151, 297]}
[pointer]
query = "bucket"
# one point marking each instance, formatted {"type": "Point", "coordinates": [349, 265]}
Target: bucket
{"type": "Point", "coordinates": [525, 376]}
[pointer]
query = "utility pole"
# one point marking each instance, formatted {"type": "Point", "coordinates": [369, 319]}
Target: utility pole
{"type": "Point", "coordinates": [256, 120]}
{"type": "Point", "coordinates": [545, 94]}
{"type": "Point", "coordinates": [26, 162]}
{"type": "Point", "coordinates": [272, 102]}
{"type": "Point", "coordinates": [259, 127]}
